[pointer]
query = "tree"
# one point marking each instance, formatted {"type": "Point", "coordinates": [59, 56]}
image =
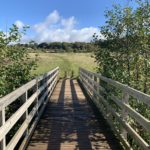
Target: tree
{"type": "Point", "coordinates": [32, 44]}
{"type": "Point", "coordinates": [15, 64]}
{"type": "Point", "coordinates": [124, 55]}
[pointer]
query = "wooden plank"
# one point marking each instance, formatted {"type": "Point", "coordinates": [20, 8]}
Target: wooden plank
{"type": "Point", "coordinates": [133, 92]}
{"type": "Point", "coordinates": [48, 74]}
{"type": "Point", "coordinates": [16, 116]}
{"type": "Point", "coordinates": [133, 113]}
{"type": "Point", "coordinates": [69, 123]}
{"type": "Point", "coordinates": [95, 83]}
{"type": "Point", "coordinates": [8, 99]}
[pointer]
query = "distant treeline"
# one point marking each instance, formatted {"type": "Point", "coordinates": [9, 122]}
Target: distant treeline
{"type": "Point", "coordinates": [60, 47]}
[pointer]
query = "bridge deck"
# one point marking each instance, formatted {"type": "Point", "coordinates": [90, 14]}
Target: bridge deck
{"type": "Point", "coordinates": [69, 123]}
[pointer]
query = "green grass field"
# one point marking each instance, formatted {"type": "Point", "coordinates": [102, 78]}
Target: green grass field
{"type": "Point", "coordinates": [67, 62]}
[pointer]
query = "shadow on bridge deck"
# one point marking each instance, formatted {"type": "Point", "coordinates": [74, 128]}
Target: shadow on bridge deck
{"type": "Point", "coordinates": [69, 123]}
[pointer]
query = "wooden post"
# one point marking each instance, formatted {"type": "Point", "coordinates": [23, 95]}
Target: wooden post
{"type": "Point", "coordinates": [80, 75]}
{"type": "Point", "coordinates": [36, 89]}
{"type": "Point", "coordinates": [92, 77]}
{"type": "Point", "coordinates": [95, 88]}
{"type": "Point", "coordinates": [2, 122]}
{"type": "Point", "coordinates": [87, 81]}
{"type": "Point", "coordinates": [58, 75]}
{"type": "Point", "coordinates": [100, 105]}
{"type": "Point", "coordinates": [125, 100]}
{"type": "Point", "coordinates": [24, 98]}
{"type": "Point", "coordinates": [47, 84]}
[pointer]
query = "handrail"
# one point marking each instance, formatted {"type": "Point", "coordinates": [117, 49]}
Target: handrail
{"type": "Point", "coordinates": [118, 115]}
{"type": "Point", "coordinates": [30, 111]}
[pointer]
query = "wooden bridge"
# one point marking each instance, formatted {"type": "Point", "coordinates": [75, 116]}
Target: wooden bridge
{"type": "Point", "coordinates": [49, 113]}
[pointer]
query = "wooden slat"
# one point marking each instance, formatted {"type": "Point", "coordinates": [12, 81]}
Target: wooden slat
{"type": "Point", "coordinates": [8, 99]}
{"type": "Point", "coordinates": [137, 116]}
{"type": "Point", "coordinates": [95, 83]}
{"type": "Point", "coordinates": [133, 92]}
{"type": "Point", "coordinates": [16, 116]}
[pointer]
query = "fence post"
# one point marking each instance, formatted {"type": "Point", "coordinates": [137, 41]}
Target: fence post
{"type": "Point", "coordinates": [58, 74]}
{"type": "Point", "coordinates": [80, 74]}
{"type": "Point", "coordinates": [125, 100]}
{"type": "Point", "coordinates": [24, 98]}
{"type": "Point", "coordinates": [100, 104]}
{"type": "Point", "coordinates": [2, 122]}
{"type": "Point", "coordinates": [90, 76]}
{"type": "Point", "coordinates": [36, 89]}
{"type": "Point", "coordinates": [95, 88]}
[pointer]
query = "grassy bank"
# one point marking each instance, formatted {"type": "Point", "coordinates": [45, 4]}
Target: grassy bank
{"type": "Point", "coordinates": [68, 62]}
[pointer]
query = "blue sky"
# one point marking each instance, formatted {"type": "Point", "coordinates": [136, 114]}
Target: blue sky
{"type": "Point", "coordinates": [56, 20]}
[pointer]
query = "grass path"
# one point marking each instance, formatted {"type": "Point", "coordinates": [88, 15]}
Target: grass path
{"type": "Point", "coordinates": [66, 61]}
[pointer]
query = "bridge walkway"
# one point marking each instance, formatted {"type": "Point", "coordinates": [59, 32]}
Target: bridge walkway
{"type": "Point", "coordinates": [69, 123]}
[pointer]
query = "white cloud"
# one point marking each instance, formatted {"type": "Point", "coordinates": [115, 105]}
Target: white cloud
{"type": "Point", "coordinates": [50, 20]}
{"type": "Point", "coordinates": [53, 17]}
{"type": "Point", "coordinates": [19, 24]}
{"type": "Point", "coordinates": [57, 28]}
{"type": "Point", "coordinates": [69, 23]}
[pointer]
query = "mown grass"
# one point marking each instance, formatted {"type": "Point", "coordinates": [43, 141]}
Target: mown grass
{"type": "Point", "coordinates": [68, 62]}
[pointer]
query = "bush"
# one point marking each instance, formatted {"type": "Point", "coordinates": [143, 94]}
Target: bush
{"type": "Point", "coordinates": [15, 64]}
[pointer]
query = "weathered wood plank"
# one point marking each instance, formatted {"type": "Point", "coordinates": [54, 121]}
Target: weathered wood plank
{"type": "Point", "coordinates": [137, 116]}
{"type": "Point", "coordinates": [69, 123]}
{"type": "Point", "coordinates": [133, 92]}
{"type": "Point", "coordinates": [8, 99]}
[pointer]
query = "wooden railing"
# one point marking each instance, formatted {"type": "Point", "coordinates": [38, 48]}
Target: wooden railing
{"type": "Point", "coordinates": [31, 99]}
{"type": "Point", "coordinates": [115, 102]}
